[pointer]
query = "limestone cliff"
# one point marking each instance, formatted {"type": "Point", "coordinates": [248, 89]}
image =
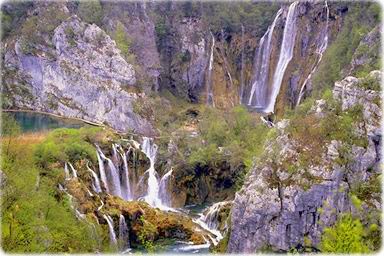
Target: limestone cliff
{"type": "Point", "coordinates": [73, 70]}
{"type": "Point", "coordinates": [286, 202]}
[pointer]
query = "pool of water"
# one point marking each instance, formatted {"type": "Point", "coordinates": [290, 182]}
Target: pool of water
{"type": "Point", "coordinates": [36, 122]}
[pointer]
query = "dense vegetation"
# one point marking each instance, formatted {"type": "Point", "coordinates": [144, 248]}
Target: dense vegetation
{"type": "Point", "coordinates": [36, 216]}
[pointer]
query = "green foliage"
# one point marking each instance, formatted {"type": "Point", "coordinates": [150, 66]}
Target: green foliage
{"type": "Point", "coordinates": [36, 217]}
{"type": "Point", "coordinates": [360, 19]}
{"type": "Point", "coordinates": [370, 83]}
{"type": "Point", "coordinates": [122, 40]}
{"type": "Point", "coordinates": [231, 15]}
{"type": "Point", "coordinates": [145, 234]}
{"type": "Point", "coordinates": [36, 28]}
{"type": "Point", "coordinates": [345, 237]}
{"type": "Point", "coordinates": [65, 144]}
{"type": "Point", "coordinates": [91, 11]}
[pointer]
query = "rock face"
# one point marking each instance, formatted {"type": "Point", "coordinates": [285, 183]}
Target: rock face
{"type": "Point", "coordinates": [83, 76]}
{"type": "Point", "coordinates": [281, 205]}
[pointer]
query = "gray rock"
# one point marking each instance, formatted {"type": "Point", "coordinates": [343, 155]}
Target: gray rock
{"type": "Point", "coordinates": [87, 78]}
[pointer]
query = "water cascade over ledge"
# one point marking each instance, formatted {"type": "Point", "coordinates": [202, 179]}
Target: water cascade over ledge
{"type": "Point", "coordinates": [286, 53]}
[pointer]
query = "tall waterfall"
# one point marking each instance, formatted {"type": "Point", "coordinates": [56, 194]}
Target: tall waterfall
{"type": "Point", "coordinates": [210, 100]}
{"type": "Point", "coordinates": [286, 54]}
{"type": "Point", "coordinates": [112, 234]}
{"type": "Point", "coordinates": [320, 50]}
{"type": "Point", "coordinates": [123, 234]}
{"type": "Point", "coordinates": [259, 92]}
{"type": "Point", "coordinates": [164, 192]}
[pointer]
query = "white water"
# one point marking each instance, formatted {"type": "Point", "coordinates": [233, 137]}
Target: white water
{"type": "Point", "coordinates": [125, 182]}
{"type": "Point", "coordinates": [74, 172]}
{"type": "Point", "coordinates": [164, 192]}
{"type": "Point", "coordinates": [113, 186]}
{"type": "Point", "coordinates": [66, 171]}
{"type": "Point", "coordinates": [95, 182]}
{"type": "Point", "coordinates": [285, 57]}
{"type": "Point", "coordinates": [112, 235]}
{"type": "Point", "coordinates": [149, 148]}
{"type": "Point", "coordinates": [103, 176]}
{"type": "Point", "coordinates": [210, 100]}
{"type": "Point", "coordinates": [114, 173]}
{"type": "Point", "coordinates": [323, 46]}
{"type": "Point", "coordinates": [262, 59]}
{"type": "Point", "coordinates": [123, 234]}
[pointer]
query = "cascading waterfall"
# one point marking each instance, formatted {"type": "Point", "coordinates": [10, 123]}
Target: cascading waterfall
{"type": "Point", "coordinates": [286, 53]}
{"type": "Point", "coordinates": [320, 50]}
{"type": "Point", "coordinates": [112, 234]}
{"type": "Point", "coordinates": [123, 234]}
{"type": "Point", "coordinates": [96, 182]}
{"type": "Point", "coordinates": [149, 148]}
{"type": "Point", "coordinates": [113, 175]}
{"type": "Point", "coordinates": [125, 182]}
{"type": "Point", "coordinates": [66, 171]}
{"type": "Point", "coordinates": [242, 65]}
{"type": "Point", "coordinates": [164, 188]}
{"type": "Point", "coordinates": [210, 100]}
{"type": "Point", "coordinates": [74, 172]}
{"type": "Point", "coordinates": [259, 91]}
{"type": "Point", "coordinates": [103, 176]}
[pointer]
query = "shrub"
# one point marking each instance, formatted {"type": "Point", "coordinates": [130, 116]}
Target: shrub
{"type": "Point", "coordinates": [345, 237]}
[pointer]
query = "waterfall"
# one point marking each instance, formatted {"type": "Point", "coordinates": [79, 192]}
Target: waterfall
{"type": "Point", "coordinates": [112, 235]}
{"type": "Point", "coordinates": [149, 148]}
{"type": "Point", "coordinates": [164, 192]}
{"type": "Point", "coordinates": [74, 172]}
{"type": "Point", "coordinates": [209, 220]}
{"type": "Point", "coordinates": [67, 177]}
{"type": "Point", "coordinates": [123, 234]}
{"type": "Point", "coordinates": [95, 182]}
{"type": "Point", "coordinates": [210, 100]}
{"type": "Point", "coordinates": [285, 57]}
{"type": "Point", "coordinates": [320, 50]}
{"type": "Point", "coordinates": [114, 189]}
{"type": "Point", "coordinates": [115, 176]}
{"type": "Point", "coordinates": [103, 177]}
{"type": "Point", "coordinates": [242, 65]}
{"type": "Point", "coordinates": [262, 59]}
{"type": "Point", "coordinates": [125, 182]}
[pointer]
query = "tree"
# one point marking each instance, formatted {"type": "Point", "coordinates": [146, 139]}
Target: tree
{"type": "Point", "coordinates": [345, 237]}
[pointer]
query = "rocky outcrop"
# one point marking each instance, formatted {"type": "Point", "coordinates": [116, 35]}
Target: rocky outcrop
{"type": "Point", "coordinates": [81, 74]}
{"type": "Point", "coordinates": [366, 56]}
{"type": "Point", "coordinates": [140, 35]}
{"type": "Point", "coordinates": [283, 205]}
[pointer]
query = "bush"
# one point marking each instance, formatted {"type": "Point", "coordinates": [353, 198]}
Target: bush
{"type": "Point", "coordinates": [63, 145]}
{"type": "Point", "coordinates": [345, 237]}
